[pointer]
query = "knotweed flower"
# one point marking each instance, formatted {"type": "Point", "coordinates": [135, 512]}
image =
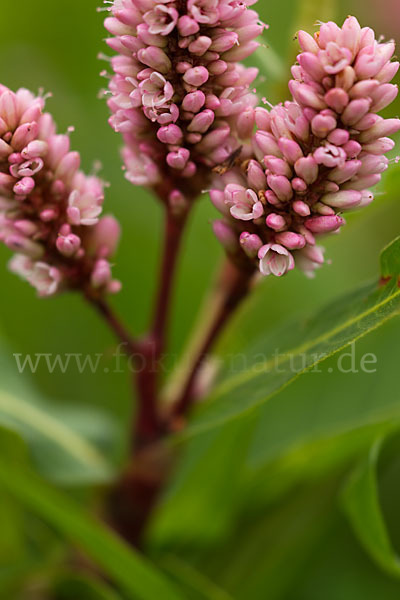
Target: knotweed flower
{"type": "Point", "coordinates": [317, 156]}
{"type": "Point", "coordinates": [49, 210]}
{"type": "Point", "coordinates": [178, 95]}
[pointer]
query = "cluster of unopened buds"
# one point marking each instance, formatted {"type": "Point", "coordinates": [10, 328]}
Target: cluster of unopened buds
{"type": "Point", "coordinates": [179, 95]}
{"type": "Point", "coordinates": [49, 209]}
{"type": "Point", "coordinates": [185, 108]}
{"type": "Point", "coordinates": [314, 157]}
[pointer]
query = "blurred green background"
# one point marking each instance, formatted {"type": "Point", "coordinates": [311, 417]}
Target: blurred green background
{"type": "Point", "coordinates": [244, 531]}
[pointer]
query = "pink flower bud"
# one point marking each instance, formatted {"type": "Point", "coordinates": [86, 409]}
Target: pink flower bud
{"type": "Point", "coordinates": [155, 58]}
{"type": "Point", "coordinates": [299, 185]}
{"type": "Point", "coordinates": [187, 26]}
{"type": "Point", "coordinates": [380, 146]}
{"type": "Point", "coordinates": [194, 101]}
{"type": "Point", "coordinates": [307, 169]}
{"type": "Point", "coordinates": [380, 129]}
{"type": "Point", "coordinates": [280, 185]}
{"type": "Point", "coordinates": [343, 199]}
{"type": "Point", "coordinates": [178, 159]}
{"type": "Point", "coordinates": [68, 166]}
{"type": "Point", "coordinates": [200, 45]}
{"type": "Point", "coordinates": [275, 222]}
{"type": "Point", "coordinates": [290, 149]}
{"type": "Point", "coordinates": [337, 99]}
{"type": "Point", "coordinates": [101, 274]}
{"type": "Point", "coordinates": [324, 224]}
{"type": "Point", "coordinates": [68, 245]}
{"type": "Point", "coordinates": [202, 121]}
{"type": "Point", "coordinates": [355, 110]}
{"type": "Point", "coordinates": [226, 236]}
{"type": "Point", "coordinates": [24, 186]}
{"type": "Point", "coordinates": [301, 208]}
{"type": "Point", "coordinates": [251, 243]}
{"type": "Point", "coordinates": [256, 176]}
{"type": "Point", "coordinates": [291, 240]}
{"type": "Point", "coordinates": [352, 148]}
{"type": "Point", "coordinates": [306, 96]}
{"type": "Point", "coordinates": [345, 172]}
{"type": "Point", "coordinates": [23, 135]}
{"type": "Point", "coordinates": [277, 166]}
{"type": "Point", "coordinates": [8, 109]}
{"type": "Point", "coordinates": [23, 245]}
{"type": "Point", "coordinates": [322, 125]}
{"type": "Point", "coordinates": [338, 137]}
{"type": "Point", "coordinates": [26, 227]}
{"type": "Point", "coordinates": [170, 134]}
{"type": "Point", "coordinates": [35, 149]}
{"type": "Point", "coordinates": [262, 117]}
{"type": "Point", "coordinates": [265, 143]}
{"type": "Point", "coordinates": [48, 214]}
{"type": "Point", "coordinates": [196, 76]}
{"type": "Point", "coordinates": [224, 42]}
{"type": "Point", "coordinates": [245, 123]}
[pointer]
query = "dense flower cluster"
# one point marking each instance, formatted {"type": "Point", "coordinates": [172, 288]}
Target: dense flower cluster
{"type": "Point", "coordinates": [49, 210]}
{"type": "Point", "coordinates": [179, 96]}
{"type": "Point", "coordinates": [314, 157]}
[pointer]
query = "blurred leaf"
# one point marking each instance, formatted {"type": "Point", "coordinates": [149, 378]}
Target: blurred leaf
{"type": "Point", "coordinates": [131, 571]}
{"type": "Point", "coordinates": [198, 585]}
{"type": "Point", "coordinates": [197, 508]}
{"type": "Point", "coordinates": [61, 453]}
{"type": "Point", "coordinates": [390, 259]}
{"type": "Point", "coordinates": [361, 504]}
{"type": "Point", "coordinates": [73, 586]}
{"type": "Point", "coordinates": [268, 550]}
{"type": "Point", "coordinates": [63, 440]}
{"type": "Point", "coordinates": [269, 364]}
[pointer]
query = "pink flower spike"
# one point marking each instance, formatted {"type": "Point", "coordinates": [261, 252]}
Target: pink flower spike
{"type": "Point", "coordinates": [275, 260]}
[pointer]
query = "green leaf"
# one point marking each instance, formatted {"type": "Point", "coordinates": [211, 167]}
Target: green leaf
{"type": "Point", "coordinates": [198, 506]}
{"type": "Point", "coordinates": [61, 453]}
{"type": "Point", "coordinates": [272, 363]}
{"type": "Point", "coordinates": [71, 586]}
{"type": "Point", "coordinates": [198, 585]}
{"type": "Point", "coordinates": [63, 440]}
{"type": "Point", "coordinates": [131, 571]}
{"type": "Point", "coordinates": [390, 259]}
{"type": "Point", "coordinates": [360, 501]}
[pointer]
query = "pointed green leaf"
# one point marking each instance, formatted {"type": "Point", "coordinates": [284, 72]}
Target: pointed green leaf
{"type": "Point", "coordinates": [280, 357]}
{"type": "Point", "coordinates": [125, 566]}
{"type": "Point", "coordinates": [360, 500]}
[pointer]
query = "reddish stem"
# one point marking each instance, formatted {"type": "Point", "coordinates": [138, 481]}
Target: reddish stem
{"type": "Point", "coordinates": [147, 423]}
{"type": "Point", "coordinates": [174, 228]}
{"type": "Point", "coordinates": [233, 286]}
{"type": "Point", "coordinates": [109, 316]}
